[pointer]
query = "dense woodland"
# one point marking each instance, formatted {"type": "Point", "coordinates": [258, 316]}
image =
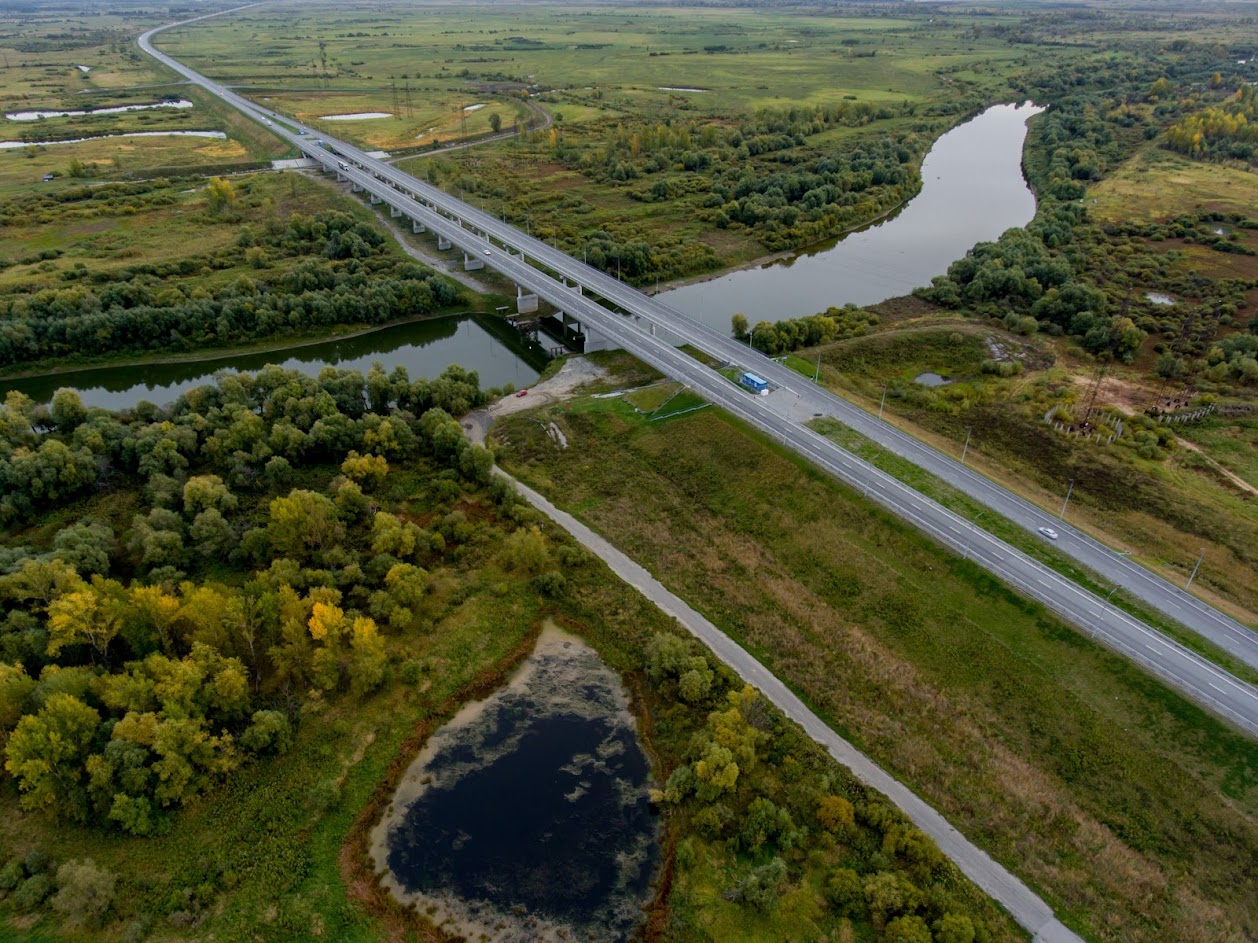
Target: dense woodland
{"type": "Point", "coordinates": [304, 274]}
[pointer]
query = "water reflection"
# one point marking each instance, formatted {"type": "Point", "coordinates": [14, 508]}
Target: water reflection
{"type": "Point", "coordinates": [972, 191]}
{"type": "Point", "coordinates": [425, 348]}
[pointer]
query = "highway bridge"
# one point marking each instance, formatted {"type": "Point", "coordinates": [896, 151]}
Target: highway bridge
{"type": "Point", "coordinates": [617, 314]}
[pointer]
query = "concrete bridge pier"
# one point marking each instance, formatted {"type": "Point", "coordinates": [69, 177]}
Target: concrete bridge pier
{"type": "Point", "coordinates": [340, 177]}
{"type": "Point", "coordinates": [375, 200]}
{"type": "Point", "coordinates": [471, 263]}
{"type": "Point", "coordinates": [443, 243]}
{"type": "Point", "coordinates": [417, 226]}
{"type": "Point", "coordinates": [524, 304]}
{"type": "Point", "coordinates": [356, 187]}
{"type": "Point", "coordinates": [394, 212]}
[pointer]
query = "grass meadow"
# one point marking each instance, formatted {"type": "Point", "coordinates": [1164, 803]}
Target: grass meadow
{"type": "Point", "coordinates": [1129, 808]}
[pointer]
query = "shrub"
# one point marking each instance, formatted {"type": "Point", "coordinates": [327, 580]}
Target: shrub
{"type": "Point", "coordinates": [31, 893]}
{"type": "Point", "coordinates": [85, 892]}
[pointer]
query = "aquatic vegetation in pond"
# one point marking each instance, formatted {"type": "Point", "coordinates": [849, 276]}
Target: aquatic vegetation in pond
{"type": "Point", "coordinates": [526, 817]}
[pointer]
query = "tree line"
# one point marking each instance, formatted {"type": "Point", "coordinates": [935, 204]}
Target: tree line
{"type": "Point", "coordinates": [344, 278]}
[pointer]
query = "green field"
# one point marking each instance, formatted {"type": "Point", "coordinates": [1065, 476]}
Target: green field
{"type": "Point", "coordinates": [1121, 802]}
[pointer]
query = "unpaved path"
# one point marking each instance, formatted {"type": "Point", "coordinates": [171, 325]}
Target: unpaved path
{"type": "Point", "coordinates": [574, 374]}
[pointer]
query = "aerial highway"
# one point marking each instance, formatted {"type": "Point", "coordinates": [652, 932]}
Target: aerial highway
{"type": "Point", "coordinates": [1109, 565]}
{"type": "Point", "coordinates": [781, 414]}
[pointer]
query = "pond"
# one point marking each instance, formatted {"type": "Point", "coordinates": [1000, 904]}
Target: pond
{"type": "Point", "coordinates": [527, 816]}
{"type": "Point", "coordinates": [357, 116]}
{"type": "Point", "coordinates": [425, 348]}
{"type": "Point", "coordinates": [972, 191]}
{"type": "Point", "coordinates": [118, 109]}
{"type": "Point", "coordinates": [931, 379]}
{"type": "Point", "coordinates": [218, 135]}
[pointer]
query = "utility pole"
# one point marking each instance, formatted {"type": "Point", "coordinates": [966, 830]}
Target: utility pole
{"type": "Point", "coordinates": [1062, 515]}
{"type": "Point", "coordinates": [884, 398]}
{"type": "Point", "coordinates": [816, 376]}
{"type": "Point", "coordinates": [1196, 568]}
{"type": "Point", "coordinates": [966, 448]}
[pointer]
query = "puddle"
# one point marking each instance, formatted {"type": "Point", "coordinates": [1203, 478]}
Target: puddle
{"type": "Point", "coordinates": [526, 817]}
{"type": "Point", "coordinates": [84, 68]}
{"type": "Point", "coordinates": [1159, 298]}
{"type": "Point", "coordinates": [675, 88]}
{"type": "Point", "coordinates": [474, 107]}
{"type": "Point", "coordinates": [117, 109]}
{"type": "Point", "coordinates": [931, 379]}
{"type": "Point", "coordinates": [356, 116]}
{"type": "Point", "coordinates": [217, 135]}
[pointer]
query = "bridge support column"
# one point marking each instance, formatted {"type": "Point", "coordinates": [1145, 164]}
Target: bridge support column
{"type": "Point", "coordinates": [443, 243]}
{"type": "Point", "coordinates": [394, 212]}
{"type": "Point", "coordinates": [524, 304]}
{"type": "Point", "coordinates": [595, 341]}
{"type": "Point", "coordinates": [356, 187]}
{"type": "Point", "coordinates": [340, 177]}
{"type": "Point", "coordinates": [417, 226]}
{"type": "Point", "coordinates": [471, 263]}
{"type": "Point", "coordinates": [375, 199]}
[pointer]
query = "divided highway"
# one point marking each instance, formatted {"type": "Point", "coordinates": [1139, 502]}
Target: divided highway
{"type": "Point", "coordinates": [780, 414]}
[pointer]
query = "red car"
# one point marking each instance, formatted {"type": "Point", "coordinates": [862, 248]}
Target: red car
{"type": "Point", "coordinates": [522, 393]}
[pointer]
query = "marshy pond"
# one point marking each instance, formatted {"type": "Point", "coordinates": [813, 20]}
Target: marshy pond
{"type": "Point", "coordinates": [526, 817]}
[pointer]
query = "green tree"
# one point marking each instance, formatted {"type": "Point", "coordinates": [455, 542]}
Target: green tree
{"type": "Point", "coordinates": [46, 755]}
{"type": "Point", "coordinates": [911, 929]}
{"type": "Point", "coordinates": [269, 732]}
{"type": "Point", "coordinates": [738, 325]}
{"type": "Point", "coordinates": [845, 894]}
{"type": "Point", "coordinates": [304, 523]}
{"type": "Point", "coordinates": [495, 122]}
{"type": "Point", "coordinates": [83, 617]}
{"type": "Point", "coordinates": [759, 889]}
{"type": "Point", "coordinates": [221, 194]}
{"type": "Point", "coordinates": [954, 928]}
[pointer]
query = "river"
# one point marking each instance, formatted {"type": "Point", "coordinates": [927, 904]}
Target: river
{"type": "Point", "coordinates": [425, 348]}
{"type": "Point", "coordinates": [972, 191]}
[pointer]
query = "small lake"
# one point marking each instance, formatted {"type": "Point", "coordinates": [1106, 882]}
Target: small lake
{"type": "Point", "coordinates": [217, 135]}
{"type": "Point", "coordinates": [972, 191]}
{"type": "Point", "coordinates": [357, 116]}
{"type": "Point", "coordinates": [527, 817]}
{"type": "Point", "coordinates": [931, 379]}
{"type": "Point", "coordinates": [424, 348]}
{"type": "Point", "coordinates": [118, 109]}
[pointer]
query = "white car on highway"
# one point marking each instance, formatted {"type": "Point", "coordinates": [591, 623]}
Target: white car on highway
{"type": "Point", "coordinates": [1049, 533]}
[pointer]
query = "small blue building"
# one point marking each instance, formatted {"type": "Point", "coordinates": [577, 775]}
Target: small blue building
{"type": "Point", "coordinates": [753, 382]}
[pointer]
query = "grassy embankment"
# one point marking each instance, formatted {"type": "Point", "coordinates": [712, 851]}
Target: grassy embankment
{"type": "Point", "coordinates": [1162, 509]}
{"type": "Point", "coordinates": [1131, 809]}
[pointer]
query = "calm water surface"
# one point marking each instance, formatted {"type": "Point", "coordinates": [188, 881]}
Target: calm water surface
{"type": "Point", "coordinates": [972, 191]}
{"type": "Point", "coordinates": [425, 348]}
{"type": "Point", "coordinates": [526, 817]}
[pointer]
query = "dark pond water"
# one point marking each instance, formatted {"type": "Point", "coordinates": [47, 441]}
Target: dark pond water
{"type": "Point", "coordinates": [972, 191]}
{"type": "Point", "coordinates": [425, 348]}
{"type": "Point", "coordinates": [527, 816]}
